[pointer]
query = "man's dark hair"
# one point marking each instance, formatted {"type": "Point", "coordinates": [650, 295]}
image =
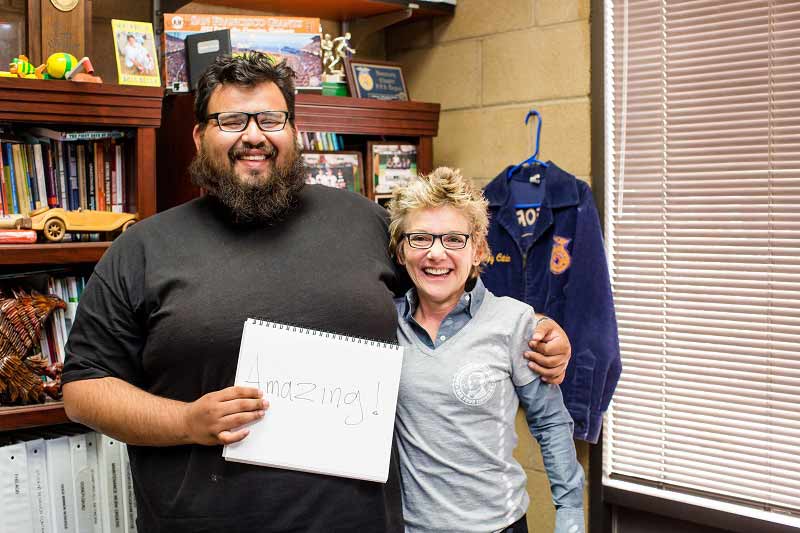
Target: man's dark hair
{"type": "Point", "coordinates": [248, 69]}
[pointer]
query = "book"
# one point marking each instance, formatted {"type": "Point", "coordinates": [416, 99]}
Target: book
{"type": "Point", "coordinates": [11, 178]}
{"type": "Point", "coordinates": [135, 53]}
{"type": "Point", "coordinates": [322, 388]}
{"type": "Point", "coordinates": [64, 135]}
{"type": "Point", "coordinates": [202, 49]}
{"type": "Point", "coordinates": [4, 209]}
{"type": "Point", "coordinates": [17, 236]}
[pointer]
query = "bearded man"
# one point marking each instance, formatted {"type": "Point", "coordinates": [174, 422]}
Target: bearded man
{"type": "Point", "coordinates": [153, 350]}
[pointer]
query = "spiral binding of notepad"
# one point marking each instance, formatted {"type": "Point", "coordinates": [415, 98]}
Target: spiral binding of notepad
{"type": "Point", "coordinates": [294, 328]}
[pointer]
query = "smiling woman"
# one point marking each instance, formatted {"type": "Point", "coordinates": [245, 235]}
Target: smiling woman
{"type": "Point", "coordinates": [464, 376]}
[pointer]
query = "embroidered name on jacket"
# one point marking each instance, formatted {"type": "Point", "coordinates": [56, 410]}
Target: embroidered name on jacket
{"type": "Point", "coordinates": [559, 257]}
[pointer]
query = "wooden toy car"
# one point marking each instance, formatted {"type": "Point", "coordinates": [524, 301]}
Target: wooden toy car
{"type": "Point", "coordinates": [54, 223]}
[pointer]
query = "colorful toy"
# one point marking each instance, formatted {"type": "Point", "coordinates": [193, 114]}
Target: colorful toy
{"type": "Point", "coordinates": [21, 67]}
{"type": "Point", "coordinates": [84, 71]}
{"type": "Point", "coordinates": [58, 65]}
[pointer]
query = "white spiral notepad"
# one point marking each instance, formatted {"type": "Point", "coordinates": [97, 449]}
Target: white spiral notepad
{"type": "Point", "coordinates": [332, 401]}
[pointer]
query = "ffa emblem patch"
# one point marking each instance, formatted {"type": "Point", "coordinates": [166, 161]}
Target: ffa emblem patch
{"type": "Point", "coordinates": [559, 257]}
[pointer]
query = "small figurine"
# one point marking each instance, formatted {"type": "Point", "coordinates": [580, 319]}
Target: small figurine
{"type": "Point", "coordinates": [21, 67]}
{"type": "Point", "coordinates": [341, 51]}
{"type": "Point", "coordinates": [326, 44]}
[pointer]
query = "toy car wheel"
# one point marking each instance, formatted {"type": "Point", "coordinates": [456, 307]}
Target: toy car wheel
{"type": "Point", "coordinates": [128, 224]}
{"type": "Point", "coordinates": [55, 229]}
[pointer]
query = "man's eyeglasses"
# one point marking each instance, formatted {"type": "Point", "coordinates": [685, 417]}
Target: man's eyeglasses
{"type": "Point", "coordinates": [451, 241]}
{"type": "Point", "coordinates": [236, 121]}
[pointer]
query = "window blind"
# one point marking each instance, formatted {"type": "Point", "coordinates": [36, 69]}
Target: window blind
{"type": "Point", "coordinates": [703, 234]}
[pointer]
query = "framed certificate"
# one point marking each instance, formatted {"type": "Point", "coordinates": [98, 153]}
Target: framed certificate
{"type": "Point", "coordinates": [381, 80]}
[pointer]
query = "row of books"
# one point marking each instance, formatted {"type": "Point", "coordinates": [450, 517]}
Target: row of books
{"type": "Point", "coordinates": [66, 482]}
{"type": "Point", "coordinates": [320, 141]}
{"type": "Point", "coordinates": [56, 330]}
{"type": "Point", "coordinates": [40, 167]}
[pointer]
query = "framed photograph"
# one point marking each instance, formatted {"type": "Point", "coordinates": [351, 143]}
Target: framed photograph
{"type": "Point", "coordinates": [343, 170]}
{"type": "Point", "coordinates": [382, 80]}
{"type": "Point", "coordinates": [389, 166]}
{"type": "Point", "coordinates": [137, 61]}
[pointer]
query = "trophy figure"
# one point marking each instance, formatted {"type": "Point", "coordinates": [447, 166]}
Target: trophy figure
{"type": "Point", "coordinates": [334, 52]}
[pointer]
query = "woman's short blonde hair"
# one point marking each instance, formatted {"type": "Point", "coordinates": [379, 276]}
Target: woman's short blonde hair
{"type": "Point", "coordinates": [444, 187]}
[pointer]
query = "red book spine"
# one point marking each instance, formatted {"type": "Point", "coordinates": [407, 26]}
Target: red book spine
{"type": "Point", "coordinates": [17, 236]}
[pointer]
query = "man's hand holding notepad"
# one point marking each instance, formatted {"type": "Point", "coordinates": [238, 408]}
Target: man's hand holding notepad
{"type": "Point", "coordinates": [332, 401]}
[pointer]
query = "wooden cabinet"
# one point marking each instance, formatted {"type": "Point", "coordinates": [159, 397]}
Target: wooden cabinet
{"type": "Point", "coordinates": [68, 105]}
{"type": "Point", "coordinates": [358, 119]}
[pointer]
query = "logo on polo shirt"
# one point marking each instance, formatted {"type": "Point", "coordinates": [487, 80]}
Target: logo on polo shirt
{"type": "Point", "coordinates": [473, 384]}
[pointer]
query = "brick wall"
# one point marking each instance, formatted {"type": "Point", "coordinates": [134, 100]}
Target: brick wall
{"type": "Point", "coordinates": [488, 65]}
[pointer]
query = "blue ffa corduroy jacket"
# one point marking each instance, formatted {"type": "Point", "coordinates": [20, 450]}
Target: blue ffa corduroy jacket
{"type": "Point", "coordinates": [558, 266]}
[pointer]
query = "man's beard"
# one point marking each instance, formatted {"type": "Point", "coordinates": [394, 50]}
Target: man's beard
{"type": "Point", "coordinates": [264, 202]}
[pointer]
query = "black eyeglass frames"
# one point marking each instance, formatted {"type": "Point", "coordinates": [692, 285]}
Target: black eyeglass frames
{"type": "Point", "coordinates": [236, 121]}
{"type": "Point", "coordinates": [451, 241]}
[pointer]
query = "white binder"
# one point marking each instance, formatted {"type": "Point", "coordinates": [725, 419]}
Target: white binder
{"type": "Point", "coordinates": [14, 490]}
{"type": "Point", "coordinates": [37, 482]}
{"type": "Point", "coordinates": [59, 483]}
{"type": "Point", "coordinates": [109, 456]}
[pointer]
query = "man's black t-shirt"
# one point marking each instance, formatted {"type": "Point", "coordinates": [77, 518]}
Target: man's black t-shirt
{"type": "Point", "coordinates": [164, 310]}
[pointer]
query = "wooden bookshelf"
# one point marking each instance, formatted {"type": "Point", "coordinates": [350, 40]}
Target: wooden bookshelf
{"type": "Point", "coordinates": [65, 105]}
{"type": "Point", "coordinates": [29, 416]}
{"type": "Point", "coordinates": [50, 253]}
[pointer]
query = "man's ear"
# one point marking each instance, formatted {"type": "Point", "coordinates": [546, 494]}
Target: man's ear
{"type": "Point", "coordinates": [400, 255]}
{"type": "Point", "coordinates": [197, 135]}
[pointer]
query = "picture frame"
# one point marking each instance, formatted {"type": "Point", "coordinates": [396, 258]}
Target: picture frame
{"type": "Point", "coordinates": [380, 80]}
{"type": "Point", "coordinates": [340, 169]}
{"type": "Point", "coordinates": [389, 165]}
{"type": "Point", "coordinates": [135, 52]}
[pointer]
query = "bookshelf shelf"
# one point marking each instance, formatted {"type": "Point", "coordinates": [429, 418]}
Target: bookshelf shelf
{"type": "Point", "coordinates": [29, 416]}
{"type": "Point", "coordinates": [73, 103]}
{"type": "Point", "coordinates": [64, 253]}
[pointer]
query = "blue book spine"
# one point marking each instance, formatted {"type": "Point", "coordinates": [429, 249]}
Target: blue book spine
{"type": "Point", "coordinates": [10, 159]}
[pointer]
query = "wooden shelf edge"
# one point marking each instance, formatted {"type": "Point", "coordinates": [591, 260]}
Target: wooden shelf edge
{"type": "Point", "coordinates": [28, 416]}
{"type": "Point", "coordinates": [38, 254]}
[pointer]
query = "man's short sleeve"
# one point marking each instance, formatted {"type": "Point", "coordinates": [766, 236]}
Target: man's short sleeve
{"type": "Point", "coordinates": [106, 338]}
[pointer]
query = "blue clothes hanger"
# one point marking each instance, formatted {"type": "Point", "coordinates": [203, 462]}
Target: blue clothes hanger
{"type": "Point", "coordinates": [532, 159]}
